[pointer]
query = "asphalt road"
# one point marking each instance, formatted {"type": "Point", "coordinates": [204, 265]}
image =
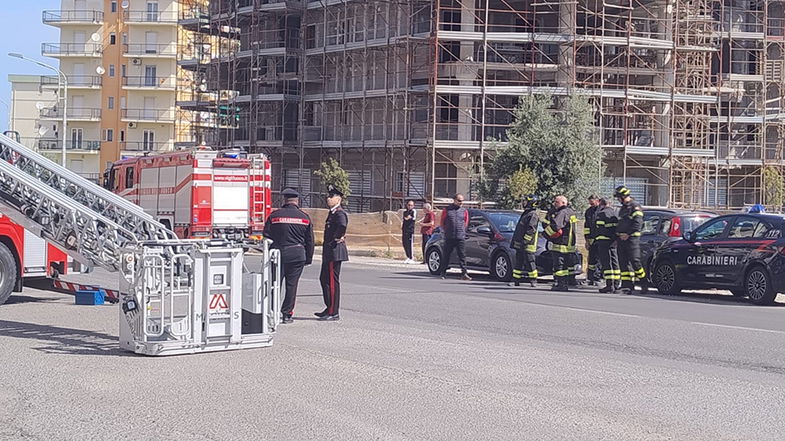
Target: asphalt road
{"type": "Point", "coordinates": [414, 358]}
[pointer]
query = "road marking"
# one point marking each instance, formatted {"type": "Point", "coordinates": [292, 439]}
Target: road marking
{"type": "Point", "coordinates": [743, 328]}
{"type": "Point", "coordinates": [617, 314]}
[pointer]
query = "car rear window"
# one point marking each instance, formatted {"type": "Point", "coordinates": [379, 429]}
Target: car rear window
{"type": "Point", "coordinates": [504, 222]}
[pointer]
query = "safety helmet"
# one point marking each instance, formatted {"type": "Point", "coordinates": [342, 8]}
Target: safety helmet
{"type": "Point", "coordinates": [621, 192]}
{"type": "Point", "coordinates": [757, 208]}
{"type": "Point", "coordinates": [531, 201]}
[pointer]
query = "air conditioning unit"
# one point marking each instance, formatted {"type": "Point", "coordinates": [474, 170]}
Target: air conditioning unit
{"type": "Point", "coordinates": [136, 61]}
{"type": "Point", "coordinates": [131, 125]}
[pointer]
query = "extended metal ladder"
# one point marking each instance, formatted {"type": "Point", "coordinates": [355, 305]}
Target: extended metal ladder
{"type": "Point", "coordinates": [90, 223]}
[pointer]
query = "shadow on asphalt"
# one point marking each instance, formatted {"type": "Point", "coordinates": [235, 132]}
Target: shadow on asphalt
{"type": "Point", "coordinates": [63, 340]}
{"type": "Point", "coordinates": [716, 299]}
{"type": "Point", "coordinates": [18, 299]}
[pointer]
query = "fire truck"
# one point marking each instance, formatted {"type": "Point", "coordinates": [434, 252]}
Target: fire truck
{"type": "Point", "coordinates": [198, 193]}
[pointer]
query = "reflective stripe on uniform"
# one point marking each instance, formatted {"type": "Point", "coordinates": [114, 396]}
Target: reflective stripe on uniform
{"type": "Point", "coordinates": [562, 273]}
{"type": "Point", "coordinates": [531, 248]}
{"type": "Point", "coordinates": [636, 213]}
{"type": "Point", "coordinates": [640, 273]}
{"type": "Point", "coordinates": [532, 274]}
{"type": "Point", "coordinates": [599, 222]}
{"type": "Point", "coordinates": [564, 249]}
{"type": "Point", "coordinates": [602, 238]}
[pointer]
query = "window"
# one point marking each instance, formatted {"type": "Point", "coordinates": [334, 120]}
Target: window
{"type": "Point", "coordinates": [148, 143]}
{"type": "Point", "coordinates": [743, 228]}
{"type": "Point", "coordinates": [112, 38]}
{"type": "Point", "coordinates": [477, 221]}
{"type": "Point", "coordinates": [764, 230]}
{"type": "Point", "coordinates": [122, 135]}
{"type": "Point", "coordinates": [123, 70]}
{"type": "Point", "coordinates": [129, 177]}
{"type": "Point", "coordinates": [122, 102]}
{"type": "Point", "coordinates": [114, 6]}
{"type": "Point", "coordinates": [665, 226]}
{"type": "Point", "coordinates": [76, 139]}
{"type": "Point", "coordinates": [124, 37]}
{"type": "Point", "coordinates": [110, 104]}
{"type": "Point", "coordinates": [711, 230]}
{"type": "Point", "coordinates": [108, 135]}
{"type": "Point", "coordinates": [111, 70]}
{"type": "Point", "coordinates": [650, 225]}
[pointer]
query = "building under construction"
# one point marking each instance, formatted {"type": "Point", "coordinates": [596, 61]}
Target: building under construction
{"type": "Point", "coordinates": [409, 95]}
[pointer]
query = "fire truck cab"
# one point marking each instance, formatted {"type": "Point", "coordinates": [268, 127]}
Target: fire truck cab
{"type": "Point", "coordinates": [198, 193]}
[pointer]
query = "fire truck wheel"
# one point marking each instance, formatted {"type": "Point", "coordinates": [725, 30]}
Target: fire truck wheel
{"type": "Point", "coordinates": [8, 273]}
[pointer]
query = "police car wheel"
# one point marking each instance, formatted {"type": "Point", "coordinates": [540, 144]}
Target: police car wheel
{"type": "Point", "coordinates": [8, 272]}
{"type": "Point", "coordinates": [501, 267]}
{"type": "Point", "coordinates": [664, 278]}
{"type": "Point", "coordinates": [434, 261]}
{"type": "Point", "coordinates": [758, 286]}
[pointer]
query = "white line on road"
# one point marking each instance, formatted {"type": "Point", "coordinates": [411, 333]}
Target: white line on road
{"type": "Point", "coordinates": [743, 328]}
{"type": "Point", "coordinates": [617, 314]}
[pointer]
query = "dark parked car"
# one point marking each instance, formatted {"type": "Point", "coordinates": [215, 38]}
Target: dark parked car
{"type": "Point", "coordinates": [744, 253]}
{"type": "Point", "coordinates": [488, 246]}
{"type": "Point", "coordinates": [662, 226]}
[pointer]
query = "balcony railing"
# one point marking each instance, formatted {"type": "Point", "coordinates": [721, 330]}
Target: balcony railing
{"type": "Point", "coordinates": [145, 49]}
{"type": "Point", "coordinates": [154, 115]}
{"type": "Point", "coordinates": [69, 16]}
{"type": "Point", "coordinates": [150, 82]}
{"type": "Point", "coordinates": [73, 81]}
{"type": "Point", "coordinates": [69, 145]}
{"type": "Point", "coordinates": [141, 146]}
{"type": "Point", "coordinates": [76, 113]}
{"type": "Point", "coordinates": [83, 49]}
{"type": "Point", "coordinates": [150, 17]}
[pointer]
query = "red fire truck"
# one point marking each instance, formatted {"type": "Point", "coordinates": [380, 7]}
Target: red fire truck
{"type": "Point", "coordinates": [23, 255]}
{"type": "Point", "coordinates": [198, 193]}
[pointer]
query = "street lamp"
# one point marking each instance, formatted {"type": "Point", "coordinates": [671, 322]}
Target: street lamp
{"type": "Point", "coordinates": [60, 75]}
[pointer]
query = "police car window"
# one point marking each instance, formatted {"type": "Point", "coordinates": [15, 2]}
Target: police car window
{"type": "Point", "coordinates": [665, 226]}
{"type": "Point", "coordinates": [650, 225]}
{"type": "Point", "coordinates": [711, 230]}
{"type": "Point", "coordinates": [762, 230]}
{"type": "Point", "coordinates": [744, 227]}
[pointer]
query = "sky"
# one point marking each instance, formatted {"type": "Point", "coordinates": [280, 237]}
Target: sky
{"type": "Point", "coordinates": [23, 32]}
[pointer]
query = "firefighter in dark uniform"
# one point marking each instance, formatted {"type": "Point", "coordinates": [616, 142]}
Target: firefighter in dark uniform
{"type": "Point", "coordinates": [589, 235]}
{"type": "Point", "coordinates": [291, 231]}
{"type": "Point", "coordinates": [605, 222]}
{"type": "Point", "coordinates": [524, 242]}
{"type": "Point", "coordinates": [628, 234]}
{"type": "Point", "coordinates": [559, 227]}
{"type": "Point", "coordinates": [334, 252]}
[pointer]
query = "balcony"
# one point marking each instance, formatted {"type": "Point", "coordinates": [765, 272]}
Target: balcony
{"type": "Point", "coordinates": [147, 82]}
{"type": "Point", "coordinates": [54, 145]}
{"type": "Point", "coordinates": [147, 115]}
{"type": "Point", "coordinates": [74, 81]}
{"type": "Point", "coordinates": [71, 50]}
{"type": "Point", "coordinates": [150, 50]}
{"type": "Point", "coordinates": [56, 18]}
{"type": "Point", "coordinates": [150, 17]}
{"type": "Point", "coordinates": [75, 114]}
{"type": "Point", "coordinates": [141, 146]}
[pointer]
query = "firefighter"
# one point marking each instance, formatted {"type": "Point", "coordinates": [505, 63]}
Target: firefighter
{"type": "Point", "coordinates": [524, 242]}
{"type": "Point", "coordinates": [291, 231]}
{"type": "Point", "coordinates": [559, 227]}
{"type": "Point", "coordinates": [334, 253]}
{"type": "Point", "coordinates": [605, 222]}
{"type": "Point", "coordinates": [628, 234]}
{"type": "Point", "coordinates": [589, 234]}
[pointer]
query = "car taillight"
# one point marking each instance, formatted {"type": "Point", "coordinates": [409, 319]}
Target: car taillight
{"type": "Point", "coordinates": [498, 237]}
{"type": "Point", "coordinates": [675, 227]}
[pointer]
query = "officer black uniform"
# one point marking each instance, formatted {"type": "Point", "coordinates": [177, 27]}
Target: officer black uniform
{"type": "Point", "coordinates": [589, 235]}
{"type": "Point", "coordinates": [560, 226]}
{"type": "Point", "coordinates": [524, 242]}
{"type": "Point", "coordinates": [291, 231]}
{"type": "Point", "coordinates": [334, 252]}
{"type": "Point", "coordinates": [628, 233]}
{"type": "Point", "coordinates": [605, 222]}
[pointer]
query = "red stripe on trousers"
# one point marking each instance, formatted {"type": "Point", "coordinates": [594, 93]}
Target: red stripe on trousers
{"type": "Point", "coordinates": [332, 289]}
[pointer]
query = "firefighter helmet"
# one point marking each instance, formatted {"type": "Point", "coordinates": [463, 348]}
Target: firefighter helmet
{"type": "Point", "coordinates": [621, 192]}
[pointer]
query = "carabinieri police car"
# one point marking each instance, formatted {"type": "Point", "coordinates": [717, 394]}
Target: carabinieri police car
{"type": "Point", "coordinates": [744, 253]}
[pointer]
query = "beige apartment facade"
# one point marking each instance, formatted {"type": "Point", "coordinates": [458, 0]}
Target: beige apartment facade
{"type": "Point", "coordinates": [120, 61]}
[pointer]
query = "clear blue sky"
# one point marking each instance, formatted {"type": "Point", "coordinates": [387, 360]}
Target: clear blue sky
{"type": "Point", "coordinates": [22, 31]}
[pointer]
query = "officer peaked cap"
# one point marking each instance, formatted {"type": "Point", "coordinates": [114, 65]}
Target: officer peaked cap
{"type": "Point", "coordinates": [333, 191]}
{"type": "Point", "coordinates": [290, 193]}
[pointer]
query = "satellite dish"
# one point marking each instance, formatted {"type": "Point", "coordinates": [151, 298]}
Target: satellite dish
{"type": "Point", "coordinates": [39, 105]}
{"type": "Point", "coordinates": [203, 87]}
{"type": "Point", "coordinates": [42, 130]}
{"type": "Point", "coordinates": [124, 4]}
{"type": "Point", "coordinates": [100, 70]}
{"type": "Point", "coordinates": [96, 37]}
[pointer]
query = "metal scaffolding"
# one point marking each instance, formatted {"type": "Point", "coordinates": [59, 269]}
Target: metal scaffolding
{"type": "Point", "coordinates": [413, 96]}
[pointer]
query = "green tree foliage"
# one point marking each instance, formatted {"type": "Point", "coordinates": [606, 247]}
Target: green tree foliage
{"type": "Point", "coordinates": [773, 188]}
{"type": "Point", "coordinates": [331, 173]}
{"type": "Point", "coordinates": [555, 146]}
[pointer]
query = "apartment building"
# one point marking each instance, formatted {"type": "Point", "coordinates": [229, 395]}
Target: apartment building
{"type": "Point", "coordinates": [120, 61]}
{"type": "Point", "coordinates": [413, 96]}
{"type": "Point", "coordinates": [27, 97]}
